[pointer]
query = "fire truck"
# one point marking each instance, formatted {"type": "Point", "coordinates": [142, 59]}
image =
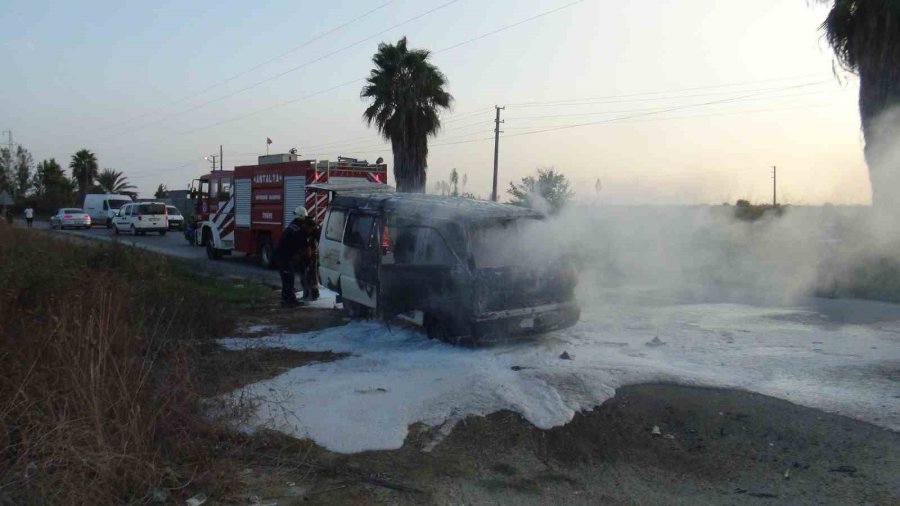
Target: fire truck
{"type": "Point", "coordinates": [246, 210]}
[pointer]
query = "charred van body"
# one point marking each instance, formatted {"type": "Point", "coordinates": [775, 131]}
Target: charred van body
{"type": "Point", "coordinates": [459, 267]}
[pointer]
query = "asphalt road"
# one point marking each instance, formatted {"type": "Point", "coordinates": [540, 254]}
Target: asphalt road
{"type": "Point", "coordinates": [174, 244]}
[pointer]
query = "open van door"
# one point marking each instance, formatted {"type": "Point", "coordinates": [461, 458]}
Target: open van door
{"type": "Point", "coordinates": [359, 256]}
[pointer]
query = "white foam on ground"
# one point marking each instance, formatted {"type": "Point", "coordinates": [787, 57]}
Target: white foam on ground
{"type": "Point", "coordinates": [834, 355]}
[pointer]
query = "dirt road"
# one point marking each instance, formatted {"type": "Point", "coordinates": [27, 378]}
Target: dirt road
{"type": "Point", "coordinates": [174, 244]}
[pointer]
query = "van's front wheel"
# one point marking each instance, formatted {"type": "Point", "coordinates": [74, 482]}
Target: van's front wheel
{"type": "Point", "coordinates": [354, 309]}
{"type": "Point", "coordinates": [437, 328]}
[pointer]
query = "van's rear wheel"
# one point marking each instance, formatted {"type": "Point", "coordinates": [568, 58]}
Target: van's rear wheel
{"type": "Point", "coordinates": [438, 328]}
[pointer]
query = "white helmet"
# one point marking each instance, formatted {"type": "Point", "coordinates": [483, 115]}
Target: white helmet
{"type": "Point", "coordinates": [301, 212]}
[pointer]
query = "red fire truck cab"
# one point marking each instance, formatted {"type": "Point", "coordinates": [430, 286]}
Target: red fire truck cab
{"type": "Point", "coordinates": [247, 209]}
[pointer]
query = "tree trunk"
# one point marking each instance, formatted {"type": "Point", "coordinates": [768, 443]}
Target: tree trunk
{"type": "Point", "coordinates": [409, 167]}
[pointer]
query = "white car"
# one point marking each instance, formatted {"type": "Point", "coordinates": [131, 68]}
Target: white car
{"type": "Point", "coordinates": [176, 220]}
{"type": "Point", "coordinates": [140, 218]}
{"type": "Point", "coordinates": [70, 217]}
{"type": "Point", "coordinates": [103, 206]}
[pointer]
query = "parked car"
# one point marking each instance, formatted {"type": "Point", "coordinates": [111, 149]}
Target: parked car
{"type": "Point", "coordinates": [70, 217]}
{"type": "Point", "coordinates": [176, 220]}
{"type": "Point", "coordinates": [437, 261]}
{"type": "Point", "coordinates": [140, 218]}
{"type": "Point", "coordinates": [103, 206]}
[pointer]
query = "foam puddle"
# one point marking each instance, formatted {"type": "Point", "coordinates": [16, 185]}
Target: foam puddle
{"type": "Point", "coordinates": [397, 377]}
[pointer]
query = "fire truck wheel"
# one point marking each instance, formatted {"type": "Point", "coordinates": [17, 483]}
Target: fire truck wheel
{"type": "Point", "coordinates": [211, 252]}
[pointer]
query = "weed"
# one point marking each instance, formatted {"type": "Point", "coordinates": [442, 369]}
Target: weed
{"type": "Point", "coordinates": [97, 402]}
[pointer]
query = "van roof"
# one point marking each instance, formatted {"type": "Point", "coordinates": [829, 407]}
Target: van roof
{"type": "Point", "coordinates": [434, 206]}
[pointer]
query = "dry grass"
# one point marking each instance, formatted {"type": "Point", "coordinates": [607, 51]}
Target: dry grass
{"type": "Point", "coordinates": [97, 402]}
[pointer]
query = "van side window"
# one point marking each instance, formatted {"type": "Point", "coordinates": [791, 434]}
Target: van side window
{"type": "Point", "coordinates": [421, 246]}
{"type": "Point", "coordinates": [335, 226]}
{"type": "Point", "coordinates": [360, 231]}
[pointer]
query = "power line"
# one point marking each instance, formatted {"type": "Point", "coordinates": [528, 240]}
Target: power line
{"type": "Point", "coordinates": [660, 111]}
{"type": "Point", "coordinates": [255, 67]}
{"type": "Point", "coordinates": [513, 25]}
{"type": "Point", "coordinates": [290, 70]}
{"type": "Point", "coordinates": [660, 92]}
{"type": "Point", "coordinates": [619, 111]}
{"type": "Point", "coordinates": [363, 142]}
{"type": "Point", "coordinates": [618, 100]}
{"type": "Point", "coordinates": [493, 32]}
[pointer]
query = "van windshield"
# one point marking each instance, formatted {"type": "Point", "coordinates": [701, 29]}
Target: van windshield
{"type": "Point", "coordinates": [172, 210]}
{"type": "Point", "coordinates": [115, 204]}
{"type": "Point", "coordinates": [151, 209]}
{"type": "Point", "coordinates": [506, 243]}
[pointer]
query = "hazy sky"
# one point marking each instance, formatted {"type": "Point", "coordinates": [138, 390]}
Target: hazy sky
{"type": "Point", "coordinates": [687, 101]}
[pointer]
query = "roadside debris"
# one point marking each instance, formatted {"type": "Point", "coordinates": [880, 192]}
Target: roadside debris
{"type": "Point", "coordinates": [843, 469]}
{"type": "Point", "coordinates": [655, 431]}
{"type": "Point", "coordinates": [197, 500]}
{"type": "Point", "coordinates": [787, 474]}
{"type": "Point", "coordinates": [256, 501]}
{"type": "Point", "coordinates": [565, 356]}
{"type": "Point", "coordinates": [158, 495]}
{"type": "Point", "coordinates": [653, 343]}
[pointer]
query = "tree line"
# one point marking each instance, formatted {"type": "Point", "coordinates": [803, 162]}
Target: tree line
{"type": "Point", "coordinates": [46, 186]}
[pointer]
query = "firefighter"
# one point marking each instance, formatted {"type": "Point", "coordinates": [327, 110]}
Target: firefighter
{"type": "Point", "coordinates": [310, 274]}
{"type": "Point", "coordinates": [294, 239]}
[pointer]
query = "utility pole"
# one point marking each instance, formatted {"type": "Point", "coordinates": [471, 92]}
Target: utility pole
{"type": "Point", "coordinates": [221, 158]}
{"type": "Point", "coordinates": [212, 158]}
{"type": "Point", "coordinates": [496, 149]}
{"type": "Point", "coordinates": [774, 186]}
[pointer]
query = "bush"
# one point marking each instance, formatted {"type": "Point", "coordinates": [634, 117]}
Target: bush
{"type": "Point", "coordinates": [97, 397]}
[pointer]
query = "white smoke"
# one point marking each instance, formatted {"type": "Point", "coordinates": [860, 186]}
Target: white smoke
{"type": "Point", "coordinates": [704, 253]}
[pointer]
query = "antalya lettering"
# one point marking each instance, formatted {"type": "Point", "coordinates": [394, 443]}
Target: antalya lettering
{"type": "Point", "coordinates": [267, 178]}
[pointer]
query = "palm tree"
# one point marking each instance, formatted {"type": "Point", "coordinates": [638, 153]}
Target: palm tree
{"type": "Point", "coordinates": [406, 93]}
{"type": "Point", "coordinates": [84, 170]}
{"type": "Point", "coordinates": [865, 35]}
{"type": "Point", "coordinates": [113, 181]}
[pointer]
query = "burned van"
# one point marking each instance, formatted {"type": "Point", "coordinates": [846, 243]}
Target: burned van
{"type": "Point", "coordinates": [461, 268]}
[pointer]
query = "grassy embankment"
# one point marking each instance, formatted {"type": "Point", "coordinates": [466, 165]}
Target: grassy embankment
{"type": "Point", "coordinates": [100, 396]}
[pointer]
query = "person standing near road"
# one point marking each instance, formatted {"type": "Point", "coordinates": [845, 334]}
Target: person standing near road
{"type": "Point", "coordinates": [294, 239]}
{"type": "Point", "coordinates": [310, 273]}
{"type": "Point", "coordinates": [29, 216]}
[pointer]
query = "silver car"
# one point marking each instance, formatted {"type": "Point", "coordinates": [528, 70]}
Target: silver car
{"type": "Point", "coordinates": [70, 217]}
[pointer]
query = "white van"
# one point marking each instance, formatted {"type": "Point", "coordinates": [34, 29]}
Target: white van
{"type": "Point", "coordinates": [140, 218]}
{"type": "Point", "coordinates": [103, 206]}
